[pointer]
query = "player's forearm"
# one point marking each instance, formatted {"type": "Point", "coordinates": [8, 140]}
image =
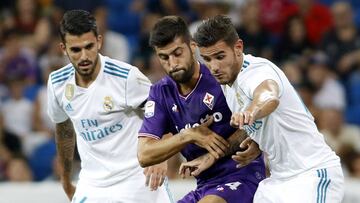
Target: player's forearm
{"type": "Point", "coordinates": [65, 145]}
{"type": "Point", "coordinates": [151, 151]}
{"type": "Point", "coordinates": [262, 108]}
{"type": "Point", "coordinates": [234, 140]}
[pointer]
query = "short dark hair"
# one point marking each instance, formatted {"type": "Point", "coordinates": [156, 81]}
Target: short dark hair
{"type": "Point", "coordinates": [215, 29]}
{"type": "Point", "coordinates": [167, 29]}
{"type": "Point", "coordinates": [77, 22]}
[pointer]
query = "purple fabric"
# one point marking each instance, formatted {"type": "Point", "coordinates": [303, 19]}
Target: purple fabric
{"type": "Point", "coordinates": [234, 191]}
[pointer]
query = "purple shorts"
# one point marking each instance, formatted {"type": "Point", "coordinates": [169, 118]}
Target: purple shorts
{"type": "Point", "coordinates": [232, 192]}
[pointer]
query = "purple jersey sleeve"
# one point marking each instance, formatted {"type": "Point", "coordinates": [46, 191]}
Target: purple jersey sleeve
{"type": "Point", "coordinates": [156, 122]}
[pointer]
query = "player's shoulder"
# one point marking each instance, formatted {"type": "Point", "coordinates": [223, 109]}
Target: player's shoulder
{"type": "Point", "coordinates": [256, 63]}
{"type": "Point", "coordinates": [116, 68]}
{"type": "Point", "coordinates": [60, 76]}
{"type": "Point", "coordinates": [163, 83]}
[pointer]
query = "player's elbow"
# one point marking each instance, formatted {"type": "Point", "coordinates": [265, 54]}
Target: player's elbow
{"type": "Point", "coordinates": [270, 106]}
{"type": "Point", "coordinates": [274, 103]}
{"type": "Point", "coordinates": [144, 157]}
{"type": "Point", "coordinates": [144, 161]}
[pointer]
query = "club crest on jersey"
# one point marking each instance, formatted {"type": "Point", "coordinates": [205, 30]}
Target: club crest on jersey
{"type": "Point", "coordinates": [239, 100]}
{"type": "Point", "coordinates": [69, 91]}
{"type": "Point", "coordinates": [108, 104]}
{"type": "Point", "coordinates": [209, 100]}
{"type": "Point", "coordinates": [149, 109]}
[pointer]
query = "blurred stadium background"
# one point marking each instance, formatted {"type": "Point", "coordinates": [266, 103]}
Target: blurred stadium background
{"type": "Point", "coordinates": [315, 42]}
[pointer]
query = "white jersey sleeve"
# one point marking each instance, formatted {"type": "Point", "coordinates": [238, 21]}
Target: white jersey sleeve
{"type": "Point", "coordinates": [55, 112]}
{"type": "Point", "coordinates": [257, 75]}
{"type": "Point", "coordinates": [137, 89]}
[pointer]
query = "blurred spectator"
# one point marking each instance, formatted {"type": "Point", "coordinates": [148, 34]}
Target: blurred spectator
{"type": "Point", "coordinates": [342, 43]}
{"type": "Point", "coordinates": [256, 40]}
{"type": "Point", "coordinates": [17, 110]}
{"type": "Point", "coordinates": [351, 160]}
{"type": "Point", "coordinates": [293, 72]}
{"type": "Point", "coordinates": [15, 60]}
{"type": "Point", "coordinates": [10, 146]}
{"type": "Point", "coordinates": [271, 12]}
{"type": "Point", "coordinates": [174, 7]}
{"type": "Point", "coordinates": [155, 71]}
{"type": "Point", "coordinates": [306, 92]}
{"type": "Point", "coordinates": [88, 5]}
{"type": "Point", "coordinates": [115, 44]}
{"type": "Point", "coordinates": [18, 170]}
{"type": "Point", "coordinates": [142, 57]}
{"type": "Point", "coordinates": [27, 19]}
{"type": "Point", "coordinates": [206, 9]}
{"type": "Point", "coordinates": [294, 41]}
{"type": "Point", "coordinates": [336, 132]}
{"type": "Point", "coordinates": [353, 96]}
{"type": "Point", "coordinates": [125, 17]}
{"type": "Point", "coordinates": [316, 16]}
{"type": "Point", "coordinates": [52, 60]}
{"type": "Point", "coordinates": [41, 160]}
{"type": "Point", "coordinates": [329, 92]}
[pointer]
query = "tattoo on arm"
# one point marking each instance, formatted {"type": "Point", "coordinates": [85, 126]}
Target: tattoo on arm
{"type": "Point", "coordinates": [65, 144]}
{"type": "Point", "coordinates": [234, 140]}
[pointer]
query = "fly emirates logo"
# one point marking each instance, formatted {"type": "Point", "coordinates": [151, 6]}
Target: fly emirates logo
{"type": "Point", "coordinates": [91, 130]}
{"type": "Point", "coordinates": [217, 118]}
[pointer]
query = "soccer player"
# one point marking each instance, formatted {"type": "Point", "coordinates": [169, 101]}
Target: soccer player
{"type": "Point", "coordinates": [97, 101]}
{"type": "Point", "coordinates": [303, 168]}
{"type": "Point", "coordinates": [185, 103]}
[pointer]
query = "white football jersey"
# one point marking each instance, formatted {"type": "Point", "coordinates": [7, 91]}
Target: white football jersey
{"type": "Point", "coordinates": [288, 135]}
{"type": "Point", "coordinates": [106, 118]}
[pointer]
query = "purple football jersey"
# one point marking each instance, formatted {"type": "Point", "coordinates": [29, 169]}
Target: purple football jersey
{"type": "Point", "coordinates": [172, 112]}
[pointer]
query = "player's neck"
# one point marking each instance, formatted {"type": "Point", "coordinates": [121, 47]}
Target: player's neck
{"type": "Point", "coordinates": [236, 72]}
{"type": "Point", "coordinates": [186, 88]}
{"type": "Point", "coordinates": [86, 81]}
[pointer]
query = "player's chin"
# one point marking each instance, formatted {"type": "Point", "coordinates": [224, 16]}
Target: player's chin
{"type": "Point", "coordinates": [222, 80]}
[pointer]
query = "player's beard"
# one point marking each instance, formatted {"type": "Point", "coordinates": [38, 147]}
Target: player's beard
{"type": "Point", "coordinates": [232, 73]}
{"type": "Point", "coordinates": [89, 71]}
{"type": "Point", "coordinates": [187, 72]}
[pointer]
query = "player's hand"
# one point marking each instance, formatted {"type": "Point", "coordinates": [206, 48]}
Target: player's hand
{"type": "Point", "coordinates": [206, 138]}
{"type": "Point", "coordinates": [155, 175]}
{"type": "Point", "coordinates": [239, 119]}
{"type": "Point", "coordinates": [69, 189]}
{"type": "Point", "coordinates": [250, 153]}
{"type": "Point", "coordinates": [196, 166]}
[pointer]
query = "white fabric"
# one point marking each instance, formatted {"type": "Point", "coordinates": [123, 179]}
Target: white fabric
{"type": "Point", "coordinates": [322, 186]}
{"type": "Point", "coordinates": [105, 116]}
{"type": "Point", "coordinates": [331, 95]}
{"type": "Point", "coordinates": [288, 135]}
{"type": "Point", "coordinates": [42, 96]}
{"type": "Point", "coordinates": [17, 115]}
{"type": "Point", "coordinates": [116, 46]}
{"type": "Point", "coordinates": [130, 191]}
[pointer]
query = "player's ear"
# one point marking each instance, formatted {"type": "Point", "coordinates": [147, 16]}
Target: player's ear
{"type": "Point", "coordinates": [100, 41]}
{"type": "Point", "coordinates": [63, 48]}
{"type": "Point", "coordinates": [193, 46]}
{"type": "Point", "coordinates": [238, 47]}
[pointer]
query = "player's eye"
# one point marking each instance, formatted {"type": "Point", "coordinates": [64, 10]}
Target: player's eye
{"type": "Point", "coordinates": [163, 57]}
{"type": "Point", "coordinates": [207, 59]}
{"type": "Point", "coordinates": [75, 49]}
{"type": "Point", "coordinates": [89, 46]}
{"type": "Point", "coordinates": [177, 53]}
{"type": "Point", "coordinates": [220, 57]}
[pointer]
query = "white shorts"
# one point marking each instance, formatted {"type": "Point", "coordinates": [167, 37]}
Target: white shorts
{"type": "Point", "coordinates": [315, 186]}
{"type": "Point", "coordinates": [132, 190]}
